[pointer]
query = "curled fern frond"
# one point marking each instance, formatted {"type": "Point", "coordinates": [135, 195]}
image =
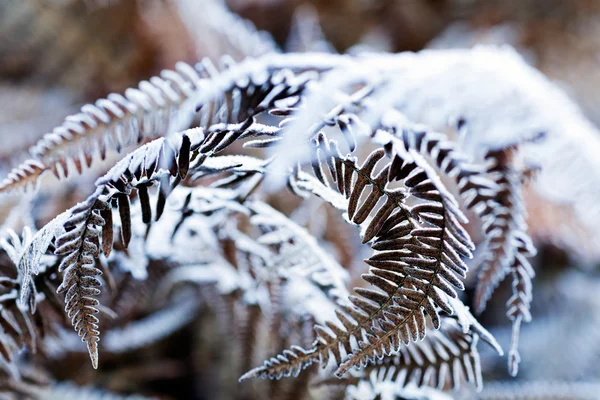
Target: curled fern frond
{"type": "Point", "coordinates": [495, 195]}
{"type": "Point", "coordinates": [164, 163]}
{"type": "Point", "coordinates": [417, 261]}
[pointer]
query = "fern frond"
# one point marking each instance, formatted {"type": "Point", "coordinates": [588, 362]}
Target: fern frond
{"type": "Point", "coordinates": [495, 195]}
{"type": "Point", "coordinates": [232, 95]}
{"type": "Point", "coordinates": [80, 246]}
{"type": "Point", "coordinates": [29, 259]}
{"type": "Point", "coordinates": [118, 121]}
{"type": "Point", "coordinates": [518, 306]}
{"type": "Point", "coordinates": [502, 225]}
{"type": "Point", "coordinates": [416, 264]}
{"type": "Point", "coordinates": [162, 162]}
{"type": "Point", "coordinates": [509, 246]}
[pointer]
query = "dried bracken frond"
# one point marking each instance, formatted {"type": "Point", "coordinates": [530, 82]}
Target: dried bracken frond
{"type": "Point", "coordinates": [80, 246]}
{"type": "Point", "coordinates": [162, 162]}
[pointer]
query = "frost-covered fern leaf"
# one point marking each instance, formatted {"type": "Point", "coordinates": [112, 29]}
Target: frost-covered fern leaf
{"type": "Point", "coordinates": [431, 263]}
{"type": "Point", "coordinates": [486, 190]}
{"type": "Point", "coordinates": [89, 229]}
{"type": "Point", "coordinates": [504, 224]}
{"type": "Point", "coordinates": [518, 306]}
{"type": "Point", "coordinates": [232, 95]}
{"type": "Point", "coordinates": [28, 257]}
{"type": "Point", "coordinates": [80, 246]}
{"type": "Point", "coordinates": [162, 162]}
{"type": "Point", "coordinates": [494, 193]}
{"type": "Point", "coordinates": [417, 262]}
{"type": "Point", "coordinates": [508, 245]}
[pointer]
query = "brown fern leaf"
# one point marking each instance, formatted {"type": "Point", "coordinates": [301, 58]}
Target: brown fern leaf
{"type": "Point", "coordinates": [161, 162]}
{"type": "Point", "coordinates": [80, 246]}
{"type": "Point", "coordinates": [431, 267]}
{"type": "Point", "coordinates": [118, 121]}
{"type": "Point", "coordinates": [289, 363]}
{"type": "Point", "coordinates": [416, 264]}
{"type": "Point", "coordinates": [520, 302]}
{"type": "Point", "coordinates": [494, 193]}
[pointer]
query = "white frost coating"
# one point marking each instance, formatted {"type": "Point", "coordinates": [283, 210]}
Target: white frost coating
{"type": "Point", "coordinates": [304, 298]}
{"type": "Point", "coordinates": [324, 270]}
{"type": "Point", "coordinates": [320, 99]}
{"type": "Point", "coordinates": [200, 245]}
{"type": "Point", "coordinates": [501, 97]}
{"type": "Point", "coordinates": [503, 100]}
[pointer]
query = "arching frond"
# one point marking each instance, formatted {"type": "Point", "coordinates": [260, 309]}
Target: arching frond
{"type": "Point", "coordinates": [232, 95]}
